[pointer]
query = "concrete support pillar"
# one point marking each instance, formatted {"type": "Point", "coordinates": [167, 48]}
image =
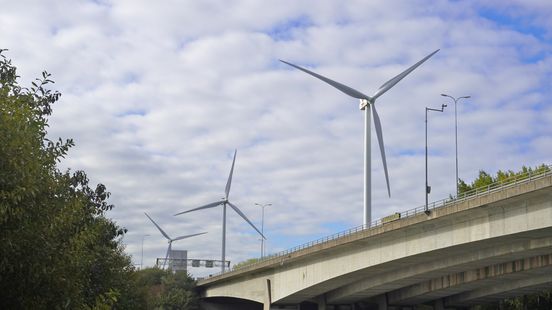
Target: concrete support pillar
{"type": "Point", "coordinates": [307, 306]}
{"type": "Point", "coordinates": [439, 305]}
{"type": "Point", "coordinates": [268, 296]}
{"type": "Point", "coordinates": [321, 301]}
{"type": "Point", "coordinates": [222, 306]}
{"type": "Point", "coordinates": [382, 302]}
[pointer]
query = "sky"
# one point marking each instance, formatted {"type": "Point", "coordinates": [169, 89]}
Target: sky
{"type": "Point", "coordinates": [157, 95]}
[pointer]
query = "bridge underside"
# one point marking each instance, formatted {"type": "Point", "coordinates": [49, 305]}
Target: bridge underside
{"type": "Point", "coordinates": [456, 278]}
{"type": "Point", "coordinates": [452, 279]}
{"type": "Point", "coordinates": [447, 273]}
{"type": "Point", "coordinates": [459, 290]}
{"type": "Point", "coordinates": [229, 303]}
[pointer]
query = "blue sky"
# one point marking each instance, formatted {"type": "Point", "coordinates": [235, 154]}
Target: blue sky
{"type": "Point", "coordinates": [158, 95]}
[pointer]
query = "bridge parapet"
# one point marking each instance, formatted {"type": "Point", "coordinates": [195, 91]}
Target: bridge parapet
{"type": "Point", "coordinates": [504, 189]}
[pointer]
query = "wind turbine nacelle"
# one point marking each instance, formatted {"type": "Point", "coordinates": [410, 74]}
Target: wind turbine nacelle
{"type": "Point", "coordinates": [363, 104]}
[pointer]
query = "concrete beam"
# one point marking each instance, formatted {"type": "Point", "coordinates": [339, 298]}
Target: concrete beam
{"type": "Point", "coordinates": [460, 259]}
{"type": "Point", "coordinates": [439, 304]}
{"type": "Point", "coordinates": [228, 304]}
{"type": "Point", "coordinates": [383, 303]}
{"type": "Point", "coordinates": [321, 301]}
{"type": "Point", "coordinates": [501, 290]}
{"type": "Point", "coordinates": [435, 288]}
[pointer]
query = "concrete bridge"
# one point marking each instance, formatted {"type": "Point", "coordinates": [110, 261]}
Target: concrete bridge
{"type": "Point", "coordinates": [492, 244]}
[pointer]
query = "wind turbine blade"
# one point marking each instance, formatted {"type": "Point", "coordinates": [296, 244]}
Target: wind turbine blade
{"type": "Point", "coordinates": [161, 230]}
{"type": "Point", "coordinates": [377, 124]}
{"type": "Point", "coordinates": [245, 218]}
{"type": "Point", "coordinates": [229, 182]}
{"type": "Point", "coordinates": [344, 88]}
{"type": "Point", "coordinates": [167, 256]}
{"type": "Point", "coordinates": [188, 236]}
{"type": "Point", "coordinates": [207, 206]}
{"type": "Point", "coordinates": [387, 85]}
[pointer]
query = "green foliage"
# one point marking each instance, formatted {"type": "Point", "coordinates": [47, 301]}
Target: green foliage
{"type": "Point", "coordinates": [57, 248]}
{"type": "Point", "coordinates": [540, 301]}
{"type": "Point", "coordinates": [150, 276]}
{"type": "Point", "coordinates": [178, 293]}
{"type": "Point", "coordinates": [245, 262]}
{"type": "Point", "coordinates": [161, 289]}
{"type": "Point", "coordinates": [105, 301]}
{"type": "Point", "coordinates": [485, 180]}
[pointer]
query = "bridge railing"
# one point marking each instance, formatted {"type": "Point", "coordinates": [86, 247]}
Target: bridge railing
{"type": "Point", "coordinates": [517, 179]}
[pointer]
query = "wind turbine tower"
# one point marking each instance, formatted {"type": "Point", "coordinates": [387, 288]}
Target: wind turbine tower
{"type": "Point", "coordinates": [170, 240]}
{"type": "Point", "coordinates": [225, 202]}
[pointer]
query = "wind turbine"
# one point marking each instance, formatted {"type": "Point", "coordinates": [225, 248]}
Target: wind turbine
{"type": "Point", "coordinates": [225, 202]}
{"type": "Point", "coordinates": [169, 238]}
{"type": "Point", "coordinates": [364, 102]}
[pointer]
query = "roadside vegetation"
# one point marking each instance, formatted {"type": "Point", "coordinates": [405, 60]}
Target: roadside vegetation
{"type": "Point", "coordinates": [485, 181]}
{"type": "Point", "coordinates": [541, 301]}
{"type": "Point", "coordinates": [245, 263]}
{"type": "Point", "coordinates": [58, 248]}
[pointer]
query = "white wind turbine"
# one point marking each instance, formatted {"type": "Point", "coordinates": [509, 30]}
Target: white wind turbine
{"type": "Point", "coordinates": [225, 202]}
{"type": "Point", "coordinates": [364, 102]}
{"type": "Point", "coordinates": [169, 238]}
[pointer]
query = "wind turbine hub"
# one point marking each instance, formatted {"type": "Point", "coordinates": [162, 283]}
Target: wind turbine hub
{"type": "Point", "coordinates": [363, 104]}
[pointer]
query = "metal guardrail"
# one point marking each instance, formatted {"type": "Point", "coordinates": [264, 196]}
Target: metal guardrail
{"type": "Point", "coordinates": [526, 177]}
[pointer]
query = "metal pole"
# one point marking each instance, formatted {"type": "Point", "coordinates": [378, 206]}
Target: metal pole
{"type": "Point", "coordinates": [456, 133]}
{"type": "Point", "coordinates": [223, 236]}
{"type": "Point", "coordinates": [367, 167]}
{"type": "Point", "coordinates": [262, 232]}
{"type": "Point", "coordinates": [262, 225]}
{"type": "Point", "coordinates": [427, 188]}
{"type": "Point", "coordinates": [456, 142]}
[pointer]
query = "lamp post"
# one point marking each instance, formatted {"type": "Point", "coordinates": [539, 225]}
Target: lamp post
{"type": "Point", "coordinates": [262, 224]}
{"type": "Point", "coordinates": [427, 188]}
{"type": "Point", "coordinates": [456, 132]}
{"type": "Point", "coordinates": [142, 257]}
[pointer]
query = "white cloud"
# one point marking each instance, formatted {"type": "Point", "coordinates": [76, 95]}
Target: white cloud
{"type": "Point", "coordinates": [158, 95]}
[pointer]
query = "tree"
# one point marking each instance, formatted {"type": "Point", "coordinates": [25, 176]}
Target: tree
{"type": "Point", "coordinates": [178, 292]}
{"type": "Point", "coordinates": [163, 289]}
{"type": "Point", "coordinates": [245, 263]}
{"type": "Point", "coordinates": [484, 179]}
{"type": "Point", "coordinates": [57, 248]}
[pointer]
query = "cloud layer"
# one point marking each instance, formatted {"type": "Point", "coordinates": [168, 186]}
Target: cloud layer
{"type": "Point", "coordinates": [158, 95]}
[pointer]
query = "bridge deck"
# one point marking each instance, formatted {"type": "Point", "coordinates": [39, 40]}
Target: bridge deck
{"type": "Point", "coordinates": [400, 271]}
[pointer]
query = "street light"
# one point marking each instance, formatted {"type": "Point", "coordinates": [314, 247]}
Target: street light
{"type": "Point", "coordinates": [262, 225]}
{"type": "Point", "coordinates": [427, 188]}
{"type": "Point", "coordinates": [142, 258]}
{"type": "Point", "coordinates": [456, 132]}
